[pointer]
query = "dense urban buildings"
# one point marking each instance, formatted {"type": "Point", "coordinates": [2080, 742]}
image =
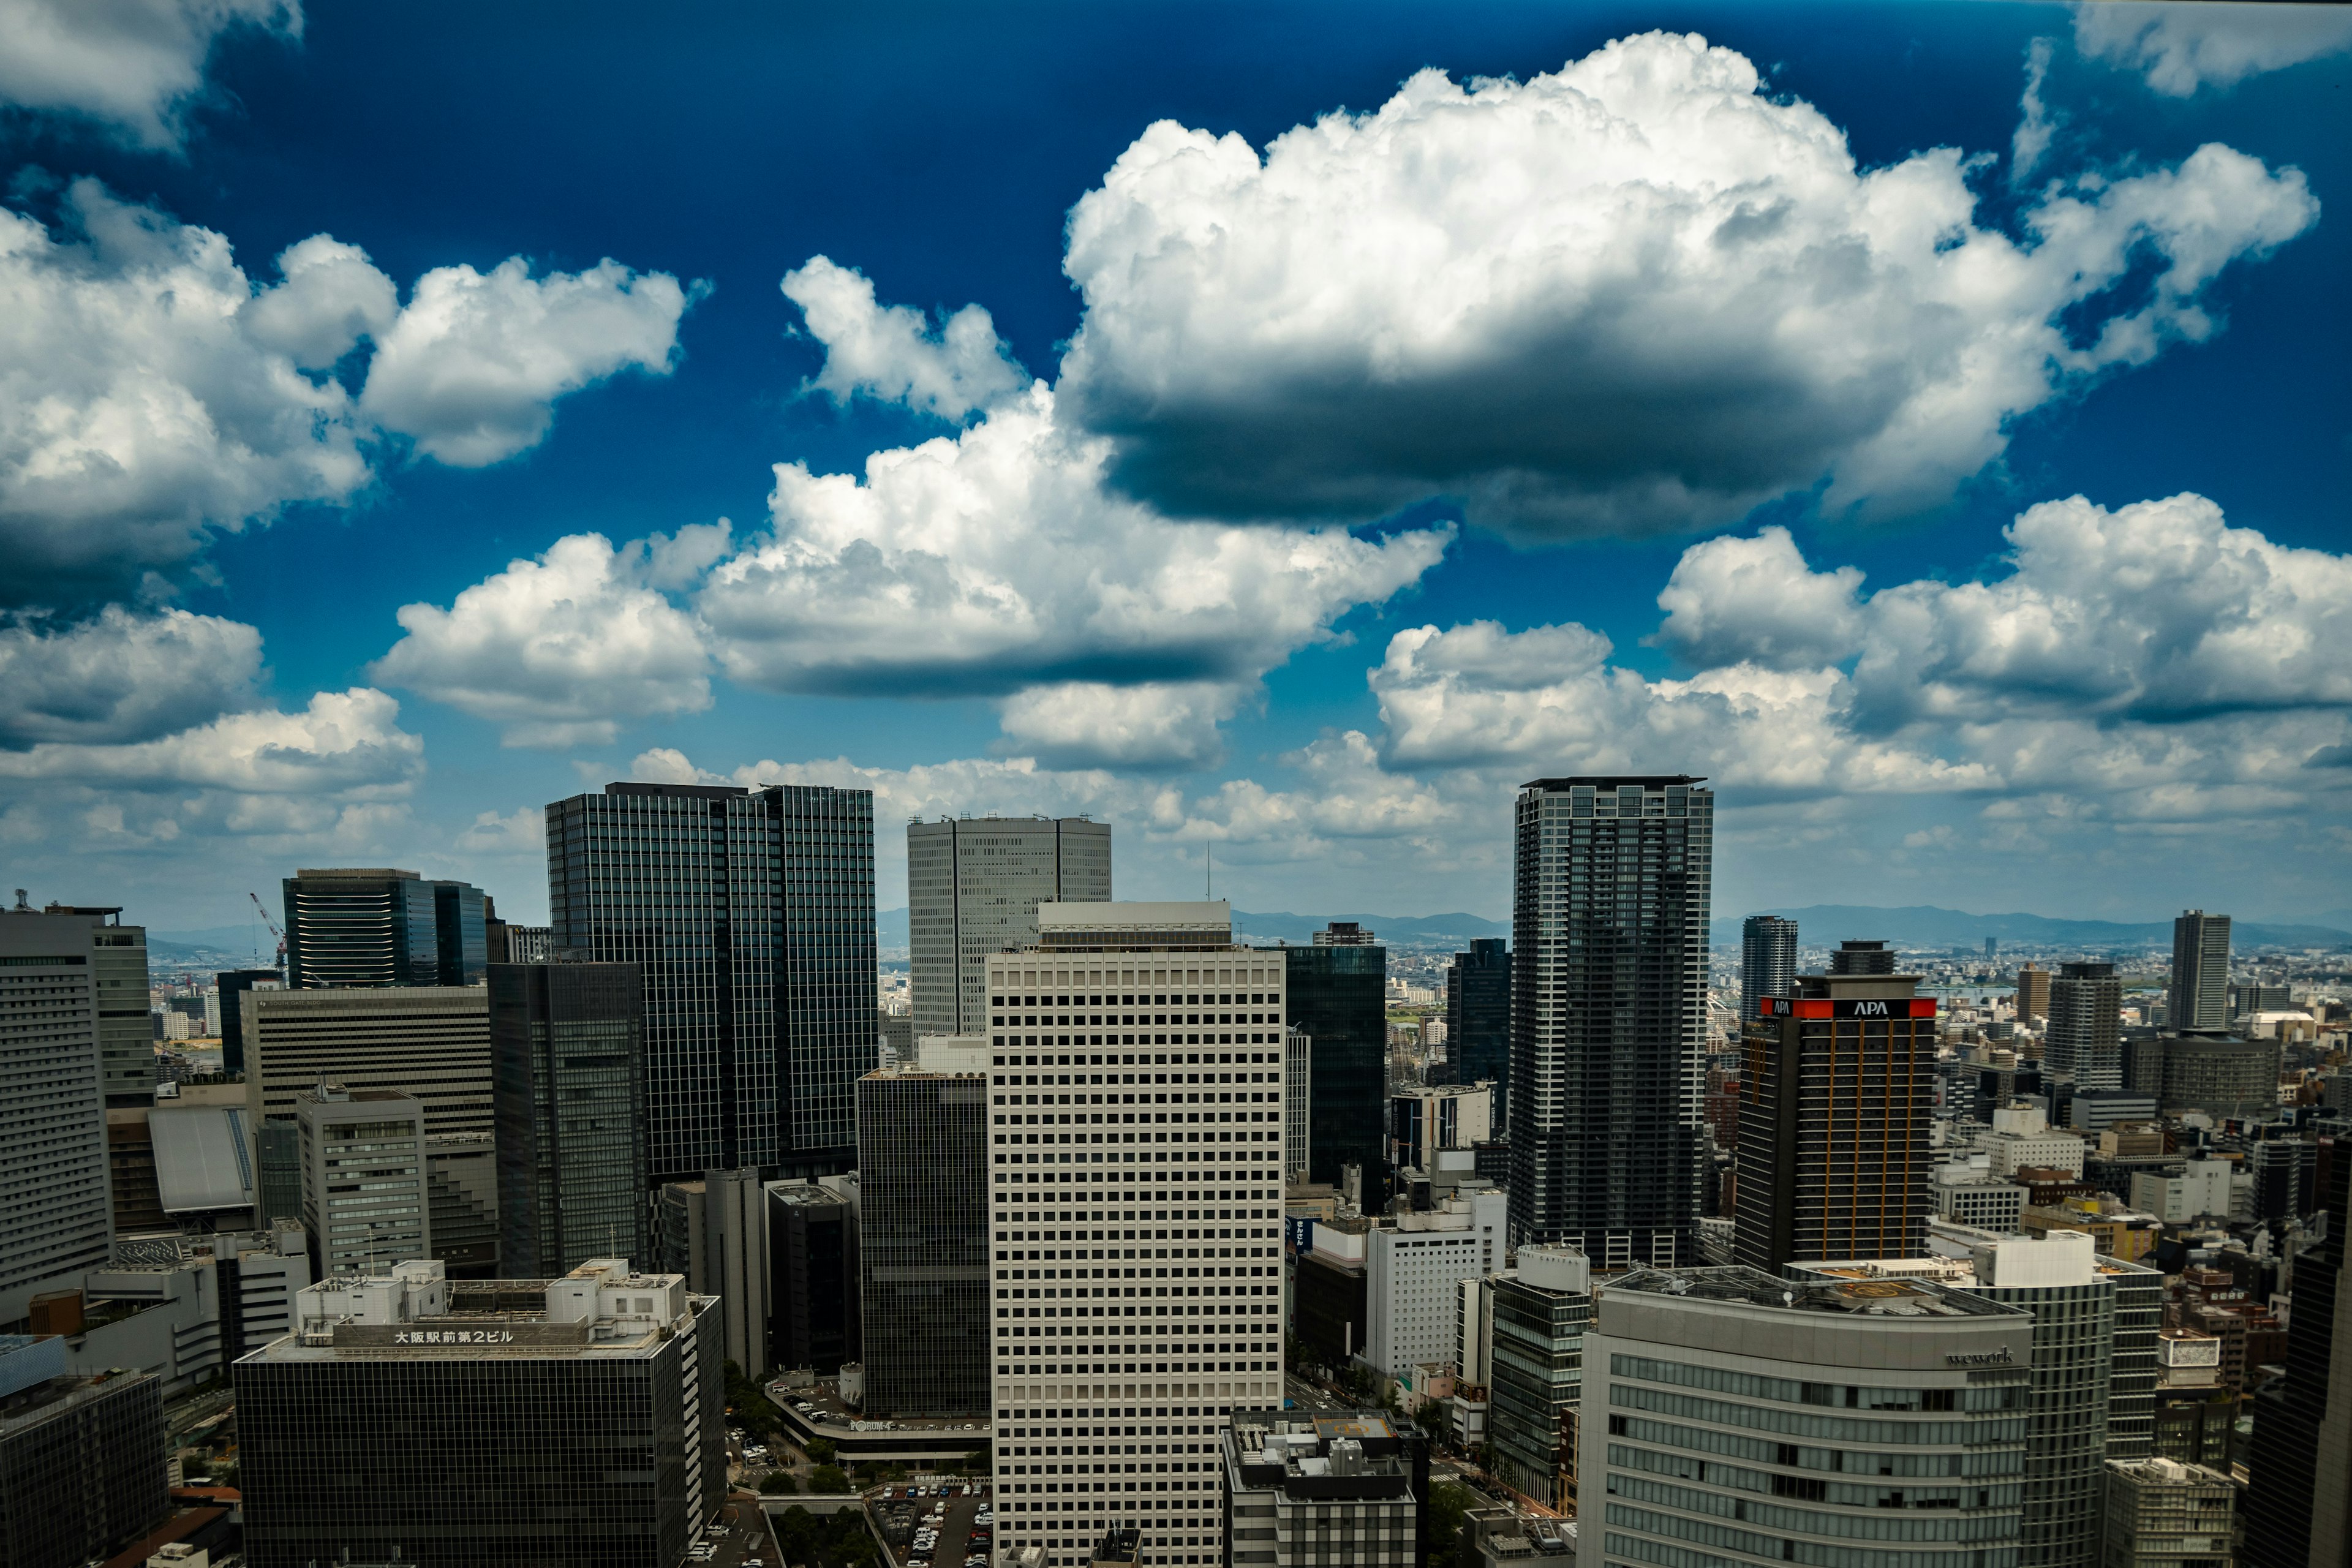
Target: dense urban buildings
{"type": "Point", "coordinates": [1478, 1017]}
{"type": "Point", "coordinates": [1413, 1265]}
{"type": "Point", "coordinates": [1767, 962]}
{"type": "Point", "coordinates": [81, 1456]}
{"type": "Point", "coordinates": [2084, 1045]}
{"type": "Point", "coordinates": [1728, 1409]}
{"type": "Point", "coordinates": [1836, 1093]}
{"type": "Point", "coordinates": [54, 1212]}
{"type": "Point", "coordinates": [750, 914]}
{"type": "Point", "coordinates": [364, 1203]}
{"type": "Point", "coordinates": [973, 887]}
{"type": "Point", "coordinates": [2198, 999]}
{"type": "Point", "coordinates": [1535, 1368]}
{"type": "Point", "coordinates": [1336, 992]}
{"type": "Point", "coordinates": [567, 1082]}
{"type": "Point", "coordinates": [925, 1323]}
{"type": "Point", "coordinates": [369, 926]}
{"type": "Point", "coordinates": [1610, 900]}
{"type": "Point", "coordinates": [466, 1423]}
{"type": "Point", "coordinates": [2298, 1509]}
{"type": "Point", "coordinates": [1136, 1055]}
{"type": "Point", "coordinates": [1333, 1487]}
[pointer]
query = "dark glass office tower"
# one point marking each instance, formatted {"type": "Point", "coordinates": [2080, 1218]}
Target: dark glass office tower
{"type": "Point", "coordinates": [1337, 995]}
{"type": "Point", "coordinates": [812, 1297]}
{"type": "Point", "coordinates": [922, 1242]}
{"type": "Point", "coordinates": [373, 926]}
{"type": "Point", "coordinates": [1478, 1017]}
{"type": "Point", "coordinates": [82, 1465]}
{"type": "Point", "coordinates": [2300, 1500]}
{"type": "Point", "coordinates": [751, 914]}
{"type": "Point", "coordinates": [233, 985]}
{"type": "Point", "coordinates": [1609, 1011]}
{"type": "Point", "coordinates": [1836, 1095]}
{"type": "Point", "coordinates": [1768, 961]}
{"type": "Point", "coordinates": [2084, 1044]}
{"type": "Point", "coordinates": [567, 1085]}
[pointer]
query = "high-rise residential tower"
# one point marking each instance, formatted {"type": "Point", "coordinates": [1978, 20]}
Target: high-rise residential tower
{"type": "Point", "coordinates": [567, 1088]}
{"type": "Point", "coordinates": [2085, 1041]}
{"type": "Point", "coordinates": [56, 1208]}
{"type": "Point", "coordinates": [1478, 1017]}
{"type": "Point", "coordinates": [1836, 1097]}
{"type": "Point", "coordinates": [750, 913]}
{"type": "Point", "coordinates": [373, 925]}
{"type": "Point", "coordinates": [1135, 1064]}
{"type": "Point", "coordinates": [1337, 997]}
{"type": "Point", "coordinates": [1768, 961]}
{"type": "Point", "coordinates": [1609, 1012]}
{"type": "Point", "coordinates": [2198, 1000]}
{"type": "Point", "coordinates": [973, 887]}
{"type": "Point", "coordinates": [2032, 994]}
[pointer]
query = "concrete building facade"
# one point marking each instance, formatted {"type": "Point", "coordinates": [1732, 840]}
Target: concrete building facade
{"type": "Point", "coordinates": [973, 887]}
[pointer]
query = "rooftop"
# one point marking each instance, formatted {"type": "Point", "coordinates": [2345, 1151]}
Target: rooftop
{"type": "Point", "coordinates": [1341, 1454]}
{"type": "Point", "coordinates": [1874, 1295]}
{"type": "Point", "coordinates": [1615, 781]}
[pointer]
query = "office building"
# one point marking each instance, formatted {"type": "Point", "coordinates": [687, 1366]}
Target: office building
{"type": "Point", "coordinates": [373, 926]}
{"type": "Point", "coordinates": [2284, 1171]}
{"type": "Point", "coordinates": [432, 1042]}
{"type": "Point", "coordinates": [1331, 1292]}
{"type": "Point", "coordinates": [714, 1233]}
{"type": "Point", "coordinates": [2195, 1189]}
{"type": "Point", "coordinates": [362, 1179]}
{"type": "Point", "coordinates": [2250, 997]}
{"type": "Point", "coordinates": [2032, 994]}
{"type": "Point", "coordinates": [467, 1424]}
{"type": "Point", "coordinates": [1969, 1195]}
{"type": "Point", "coordinates": [2198, 999]}
{"type": "Point", "coordinates": [1478, 1017]}
{"type": "Point", "coordinates": [2022, 1139]}
{"type": "Point", "coordinates": [461, 1190]}
{"type": "Point", "coordinates": [1415, 1263]}
{"type": "Point", "coordinates": [1610, 900]}
{"type": "Point", "coordinates": [1150, 1111]}
{"type": "Point", "coordinates": [1449, 1116]}
{"type": "Point", "coordinates": [1337, 997]}
{"type": "Point", "coordinates": [1835, 1401]}
{"type": "Point", "coordinates": [2084, 1043]}
{"type": "Point", "coordinates": [2196, 1412]}
{"type": "Point", "coordinates": [1340, 1486]}
{"type": "Point", "coordinates": [1297, 1104]}
{"type": "Point", "coordinates": [2160, 1514]}
{"type": "Point", "coordinates": [82, 1471]}
{"type": "Point", "coordinates": [126, 1037]}
{"type": "Point", "coordinates": [2298, 1507]}
{"type": "Point", "coordinates": [1767, 962]}
{"type": "Point", "coordinates": [750, 914]}
{"type": "Point", "coordinates": [973, 888]}
{"type": "Point", "coordinates": [1537, 1316]}
{"type": "Point", "coordinates": [567, 1093]}
{"type": "Point", "coordinates": [56, 1212]}
{"type": "Point", "coordinates": [231, 988]}
{"type": "Point", "coordinates": [812, 1276]}
{"type": "Point", "coordinates": [2218, 1076]}
{"type": "Point", "coordinates": [925, 1320]}
{"type": "Point", "coordinates": [1837, 1099]}
{"type": "Point", "coordinates": [2091, 1360]}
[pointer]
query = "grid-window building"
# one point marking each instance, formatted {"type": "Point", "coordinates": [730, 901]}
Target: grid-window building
{"type": "Point", "coordinates": [369, 926]}
{"type": "Point", "coordinates": [56, 1201]}
{"type": "Point", "coordinates": [469, 1423]}
{"type": "Point", "coordinates": [750, 913]}
{"type": "Point", "coordinates": [1767, 962]}
{"type": "Point", "coordinates": [2198, 999]}
{"type": "Point", "coordinates": [926, 1327]}
{"type": "Point", "coordinates": [1535, 1368]}
{"type": "Point", "coordinates": [2085, 1042]}
{"type": "Point", "coordinates": [567, 1048]}
{"type": "Point", "coordinates": [973, 888]}
{"type": "Point", "coordinates": [2160, 1514]}
{"type": "Point", "coordinates": [1339, 1488]}
{"type": "Point", "coordinates": [1297, 1104]}
{"type": "Point", "coordinates": [1134, 1120]}
{"type": "Point", "coordinates": [82, 1457]}
{"type": "Point", "coordinates": [363, 1201]}
{"type": "Point", "coordinates": [1610, 899]}
{"type": "Point", "coordinates": [1337, 997]}
{"type": "Point", "coordinates": [1478, 1017]}
{"type": "Point", "coordinates": [1413, 1268]}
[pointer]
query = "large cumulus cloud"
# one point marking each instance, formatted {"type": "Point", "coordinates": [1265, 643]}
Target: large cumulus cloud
{"type": "Point", "coordinates": [1636, 293]}
{"type": "Point", "coordinates": [136, 66]}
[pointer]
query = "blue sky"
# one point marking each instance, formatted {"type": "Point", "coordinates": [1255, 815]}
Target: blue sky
{"type": "Point", "coordinates": [1292, 493]}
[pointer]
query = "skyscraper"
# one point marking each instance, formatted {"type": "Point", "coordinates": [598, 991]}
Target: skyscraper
{"type": "Point", "coordinates": [1337, 997]}
{"type": "Point", "coordinates": [714, 1230]}
{"type": "Point", "coordinates": [925, 1318]}
{"type": "Point", "coordinates": [973, 888]}
{"type": "Point", "coordinates": [55, 1214]}
{"type": "Point", "coordinates": [362, 1179]}
{"type": "Point", "coordinates": [752, 915]}
{"type": "Point", "coordinates": [2198, 1000]}
{"type": "Point", "coordinates": [1768, 961]}
{"type": "Point", "coordinates": [373, 925]}
{"type": "Point", "coordinates": [2085, 1042]}
{"type": "Point", "coordinates": [1478, 1017]}
{"type": "Point", "coordinates": [2032, 994]}
{"type": "Point", "coordinates": [567, 1089]}
{"type": "Point", "coordinates": [1540, 1312]}
{"type": "Point", "coordinates": [2298, 1507]}
{"type": "Point", "coordinates": [232, 985]}
{"type": "Point", "coordinates": [1609, 933]}
{"type": "Point", "coordinates": [1136, 1058]}
{"type": "Point", "coordinates": [1836, 1096]}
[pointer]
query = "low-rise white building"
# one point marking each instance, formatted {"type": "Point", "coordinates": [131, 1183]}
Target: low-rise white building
{"type": "Point", "coordinates": [2023, 1137]}
{"type": "Point", "coordinates": [2198, 1189]}
{"type": "Point", "coordinates": [1414, 1266]}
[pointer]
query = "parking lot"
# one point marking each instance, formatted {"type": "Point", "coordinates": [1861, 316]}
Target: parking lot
{"type": "Point", "coordinates": [744, 1543]}
{"type": "Point", "coordinates": [954, 1529]}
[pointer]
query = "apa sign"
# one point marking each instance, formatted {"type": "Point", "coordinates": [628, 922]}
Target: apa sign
{"type": "Point", "coordinates": [1869, 1007]}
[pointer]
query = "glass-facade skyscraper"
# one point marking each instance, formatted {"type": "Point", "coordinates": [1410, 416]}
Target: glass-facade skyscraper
{"type": "Point", "coordinates": [1478, 1017]}
{"type": "Point", "coordinates": [1609, 934]}
{"type": "Point", "coordinates": [1337, 997]}
{"type": "Point", "coordinates": [751, 914]}
{"type": "Point", "coordinates": [373, 925]}
{"type": "Point", "coordinates": [973, 888]}
{"type": "Point", "coordinates": [1768, 961]}
{"type": "Point", "coordinates": [567, 1086]}
{"type": "Point", "coordinates": [922, 1245]}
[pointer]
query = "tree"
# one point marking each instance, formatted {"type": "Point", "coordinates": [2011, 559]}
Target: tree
{"type": "Point", "coordinates": [976, 1461]}
{"type": "Point", "coordinates": [1449, 1504]}
{"type": "Point", "coordinates": [820, 1450]}
{"type": "Point", "coordinates": [1431, 1417]}
{"type": "Point", "coordinates": [778, 1483]}
{"type": "Point", "coordinates": [828, 1479]}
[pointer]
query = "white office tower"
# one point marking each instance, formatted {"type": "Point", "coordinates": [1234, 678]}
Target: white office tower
{"type": "Point", "coordinates": [1135, 1141]}
{"type": "Point", "coordinates": [972, 889]}
{"type": "Point", "coordinates": [1414, 1263]}
{"type": "Point", "coordinates": [1733, 1417]}
{"type": "Point", "coordinates": [55, 1214]}
{"type": "Point", "coordinates": [2022, 1139]}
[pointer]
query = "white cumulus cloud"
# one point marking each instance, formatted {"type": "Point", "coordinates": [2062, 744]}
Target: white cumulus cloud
{"type": "Point", "coordinates": [137, 65]}
{"type": "Point", "coordinates": [892, 353]}
{"type": "Point", "coordinates": [344, 743]}
{"type": "Point", "coordinates": [2180, 45]}
{"type": "Point", "coordinates": [120, 676]}
{"type": "Point", "coordinates": [559, 650]}
{"type": "Point", "coordinates": [1090, 723]}
{"type": "Point", "coordinates": [1732, 599]}
{"type": "Point", "coordinates": [1636, 293]}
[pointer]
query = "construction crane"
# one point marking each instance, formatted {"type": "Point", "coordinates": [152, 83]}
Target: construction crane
{"type": "Point", "coordinates": [275, 928]}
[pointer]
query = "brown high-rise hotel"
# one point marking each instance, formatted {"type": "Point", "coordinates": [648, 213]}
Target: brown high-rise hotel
{"type": "Point", "coordinates": [1834, 1103]}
